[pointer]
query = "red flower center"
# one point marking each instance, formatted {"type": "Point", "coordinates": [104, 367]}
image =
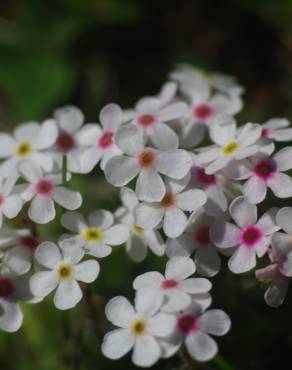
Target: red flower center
{"type": "Point", "coordinates": [106, 139]}
{"type": "Point", "coordinates": [6, 287]}
{"type": "Point", "coordinates": [202, 235]}
{"type": "Point", "coordinates": [250, 236]}
{"type": "Point", "coordinates": [29, 242]}
{"type": "Point", "coordinates": [65, 142]}
{"type": "Point", "coordinates": [1, 199]}
{"type": "Point", "coordinates": [202, 178]}
{"type": "Point", "coordinates": [169, 284]}
{"type": "Point", "coordinates": [202, 112]}
{"type": "Point", "coordinates": [265, 132]}
{"type": "Point", "coordinates": [168, 200]}
{"type": "Point", "coordinates": [147, 159]}
{"type": "Point", "coordinates": [44, 187]}
{"type": "Point", "coordinates": [146, 120]}
{"type": "Point", "coordinates": [265, 169]}
{"type": "Point", "coordinates": [187, 324]}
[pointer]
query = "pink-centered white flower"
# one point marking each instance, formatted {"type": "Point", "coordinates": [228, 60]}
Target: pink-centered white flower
{"type": "Point", "coordinates": [230, 143]}
{"type": "Point", "coordinates": [29, 141]}
{"type": "Point", "coordinates": [63, 268]}
{"type": "Point", "coordinates": [145, 162]}
{"type": "Point", "coordinates": [139, 327]}
{"type": "Point", "coordinates": [178, 288]}
{"type": "Point", "coordinates": [99, 141]}
{"type": "Point", "coordinates": [196, 240]}
{"type": "Point", "coordinates": [97, 234]}
{"type": "Point", "coordinates": [250, 236]}
{"type": "Point", "coordinates": [150, 118]}
{"type": "Point", "coordinates": [171, 209]}
{"type": "Point", "coordinates": [264, 172]}
{"type": "Point", "coordinates": [194, 328]}
{"type": "Point", "coordinates": [43, 190]}
{"type": "Point", "coordinates": [10, 203]}
{"type": "Point", "coordinates": [140, 239]}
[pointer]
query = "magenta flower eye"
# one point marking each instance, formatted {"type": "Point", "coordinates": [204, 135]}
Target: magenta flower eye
{"type": "Point", "coordinates": [146, 120]}
{"type": "Point", "coordinates": [44, 187]}
{"type": "Point", "coordinates": [204, 179]}
{"type": "Point", "coordinates": [106, 140]}
{"type": "Point", "coordinates": [168, 200]}
{"type": "Point", "coordinates": [169, 284]}
{"type": "Point", "coordinates": [202, 112]}
{"type": "Point", "coordinates": [265, 169]}
{"type": "Point", "coordinates": [187, 324]}
{"type": "Point", "coordinates": [251, 235]}
{"type": "Point", "coordinates": [29, 242]}
{"type": "Point", "coordinates": [202, 235]}
{"type": "Point", "coordinates": [65, 142]}
{"type": "Point", "coordinates": [147, 159]}
{"type": "Point", "coordinates": [6, 287]}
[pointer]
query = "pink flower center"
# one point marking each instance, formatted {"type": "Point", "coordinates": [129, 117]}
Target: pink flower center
{"type": "Point", "coordinates": [169, 284]}
{"type": "Point", "coordinates": [6, 287]}
{"type": "Point", "coordinates": [265, 132]}
{"type": "Point", "coordinates": [44, 187]}
{"type": "Point", "coordinates": [65, 142]}
{"type": "Point", "coordinates": [1, 199]}
{"type": "Point", "coordinates": [202, 178]}
{"type": "Point", "coordinates": [168, 200]}
{"type": "Point", "coordinates": [146, 120]}
{"type": "Point", "coordinates": [29, 242]}
{"type": "Point", "coordinates": [265, 169]}
{"type": "Point", "coordinates": [187, 324]}
{"type": "Point", "coordinates": [250, 236]}
{"type": "Point", "coordinates": [202, 112]}
{"type": "Point", "coordinates": [106, 140]}
{"type": "Point", "coordinates": [147, 159]}
{"type": "Point", "coordinates": [202, 235]}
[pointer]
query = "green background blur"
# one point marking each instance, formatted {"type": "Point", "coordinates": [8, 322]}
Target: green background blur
{"type": "Point", "coordinates": [92, 52]}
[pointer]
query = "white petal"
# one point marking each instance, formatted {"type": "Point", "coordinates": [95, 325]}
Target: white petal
{"type": "Point", "coordinates": [86, 271]}
{"type": "Point", "coordinates": [146, 351]}
{"type": "Point", "coordinates": [222, 129]}
{"type": "Point", "coordinates": [148, 300]}
{"type": "Point", "coordinates": [97, 249]}
{"type": "Point", "coordinates": [243, 212]}
{"type": "Point", "coordinates": [47, 135]}
{"type": "Point", "coordinates": [120, 312]}
{"type": "Point", "coordinates": [48, 255]}
{"type": "Point", "coordinates": [179, 268]}
{"type": "Point", "coordinates": [281, 244]}
{"type": "Point", "coordinates": [149, 186]}
{"type": "Point", "coordinates": [217, 165]}
{"type": "Point", "coordinates": [11, 318]}
{"type": "Point", "coordinates": [162, 325]}
{"type": "Point", "coordinates": [175, 163]}
{"type": "Point", "coordinates": [67, 295]}
{"type": "Point", "coordinates": [249, 134]}
{"type": "Point", "coordinates": [172, 111]}
{"type": "Point", "coordinates": [42, 283]}
{"type": "Point", "coordinates": [69, 118]}
{"type": "Point", "coordinates": [267, 222]}
{"type": "Point", "coordinates": [283, 219]}
{"type": "Point", "coordinates": [183, 246]}
{"type": "Point", "coordinates": [154, 241]}
{"type": "Point", "coordinates": [207, 261]}
{"type": "Point", "coordinates": [7, 145]}
{"type": "Point", "coordinates": [136, 248]}
{"type": "Point", "coordinates": [191, 200]}
{"type": "Point", "coordinates": [201, 346]}
{"type": "Point", "coordinates": [130, 139]}
{"type": "Point", "coordinates": [116, 235]}
{"type": "Point", "coordinates": [26, 131]}
{"type": "Point", "coordinates": [12, 206]}
{"type": "Point", "coordinates": [111, 117]}
{"type": "Point", "coordinates": [281, 185]}
{"type": "Point", "coordinates": [225, 234]}
{"type": "Point", "coordinates": [129, 198]}
{"type": "Point", "coordinates": [89, 158]}
{"type": "Point", "coordinates": [73, 221]}
{"type": "Point", "coordinates": [163, 137]}
{"type": "Point", "coordinates": [255, 190]}
{"type": "Point", "coordinates": [67, 198]}
{"type": "Point", "coordinates": [215, 322]}
{"type": "Point", "coordinates": [18, 259]}
{"type": "Point", "coordinates": [101, 219]}
{"type": "Point", "coordinates": [196, 285]}
{"type": "Point", "coordinates": [283, 159]}
{"type": "Point", "coordinates": [117, 343]}
{"type": "Point", "coordinates": [276, 293]}
{"type": "Point", "coordinates": [216, 203]}
{"type": "Point", "coordinates": [176, 301]}
{"type": "Point", "coordinates": [148, 215]}
{"type": "Point", "coordinates": [150, 278]}
{"type": "Point", "coordinates": [30, 171]}
{"type": "Point", "coordinates": [120, 170]}
{"type": "Point", "coordinates": [175, 222]}
{"type": "Point", "coordinates": [243, 259]}
{"type": "Point", "coordinates": [71, 251]}
{"type": "Point", "coordinates": [42, 209]}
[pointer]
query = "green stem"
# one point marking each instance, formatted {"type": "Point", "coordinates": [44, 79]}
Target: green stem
{"type": "Point", "coordinates": [64, 169]}
{"type": "Point", "coordinates": [222, 364]}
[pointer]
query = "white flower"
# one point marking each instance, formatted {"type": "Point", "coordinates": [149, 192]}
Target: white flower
{"type": "Point", "coordinates": [150, 118]}
{"type": "Point", "coordinates": [264, 172]}
{"type": "Point", "coordinates": [139, 238]}
{"type": "Point", "coordinates": [231, 144]}
{"type": "Point", "coordinates": [251, 237]}
{"type": "Point", "coordinates": [171, 209]}
{"type": "Point", "coordinates": [147, 163]}
{"type": "Point", "coordinates": [97, 234]}
{"type": "Point", "coordinates": [64, 269]}
{"type": "Point", "coordinates": [193, 328]}
{"type": "Point", "coordinates": [43, 191]}
{"type": "Point", "coordinates": [10, 204]}
{"type": "Point", "coordinates": [100, 141]}
{"type": "Point", "coordinates": [277, 129]}
{"type": "Point", "coordinates": [177, 286]}
{"type": "Point", "coordinates": [29, 141]}
{"type": "Point", "coordinates": [196, 239]}
{"type": "Point", "coordinates": [139, 327]}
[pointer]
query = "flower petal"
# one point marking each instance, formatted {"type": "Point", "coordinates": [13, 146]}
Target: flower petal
{"type": "Point", "coordinates": [174, 163]}
{"type": "Point", "coordinates": [101, 219]}
{"type": "Point", "coordinates": [162, 325]}
{"type": "Point", "coordinates": [255, 190]}
{"type": "Point", "coordinates": [73, 221]}
{"type": "Point", "coordinates": [87, 271]}
{"type": "Point", "coordinates": [111, 117]}
{"type": "Point", "coordinates": [149, 186]}
{"type": "Point", "coordinates": [42, 283]}
{"type": "Point", "coordinates": [116, 235]}
{"type": "Point", "coordinates": [42, 209]}
{"type": "Point", "coordinates": [120, 312]}
{"type": "Point", "coordinates": [243, 259]}
{"type": "Point", "coordinates": [48, 254]}
{"type": "Point", "coordinates": [215, 322]}
{"type": "Point", "coordinates": [150, 278]}
{"type": "Point", "coordinates": [201, 346]}
{"type": "Point", "coordinates": [146, 351]}
{"type": "Point", "coordinates": [175, 222]}
{"type": "Point", "coordinates": [283, 159]}
{"type": "Point", "coordinates": [67, 295]}
{"type": "Point", "coordinates": [163, 137]}
{"type": "Point", "coordinates": [179, 268]}
{"type": "Point", "coordinates": [225, 234]}
{"type": "Point", "coordinates": [281, 185]}
{"type": "Point", "coordinates": [243, 212]}
{"type": "Point", "coordinates": [120, 170]}
{"type": "Point", "coordinates": [67, 198]}
{"type": "Point", "coordinates": [148, 300]}
{"type": "Point", "coordinates": [283, 219]}
{"type": "Point", "coordinates": [117, 343]}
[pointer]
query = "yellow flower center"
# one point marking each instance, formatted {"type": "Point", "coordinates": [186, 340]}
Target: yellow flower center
{"type": "Point", "coordinates": [65, 271]}
{"type": "Point", "coordinates": [23, 149]}
{"type": "Point", "coordinates": [230, 148]}
{"type": "Point", "coordinates": [139, 327]}
{"type": "Point", "coordinates": [137, 229]}
{"type": "Point", "coordinates": [92, 234]}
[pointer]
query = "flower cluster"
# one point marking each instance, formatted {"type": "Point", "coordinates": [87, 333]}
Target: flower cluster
{"type": "Point", "coordinates": [191, 182]}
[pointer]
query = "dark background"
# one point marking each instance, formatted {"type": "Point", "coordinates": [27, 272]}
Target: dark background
{"type": "Point", "coordinates": [89, 53]}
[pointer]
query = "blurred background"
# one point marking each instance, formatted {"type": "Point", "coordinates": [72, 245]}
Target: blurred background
{"type": "Point", "coordinates": [92, 52]}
